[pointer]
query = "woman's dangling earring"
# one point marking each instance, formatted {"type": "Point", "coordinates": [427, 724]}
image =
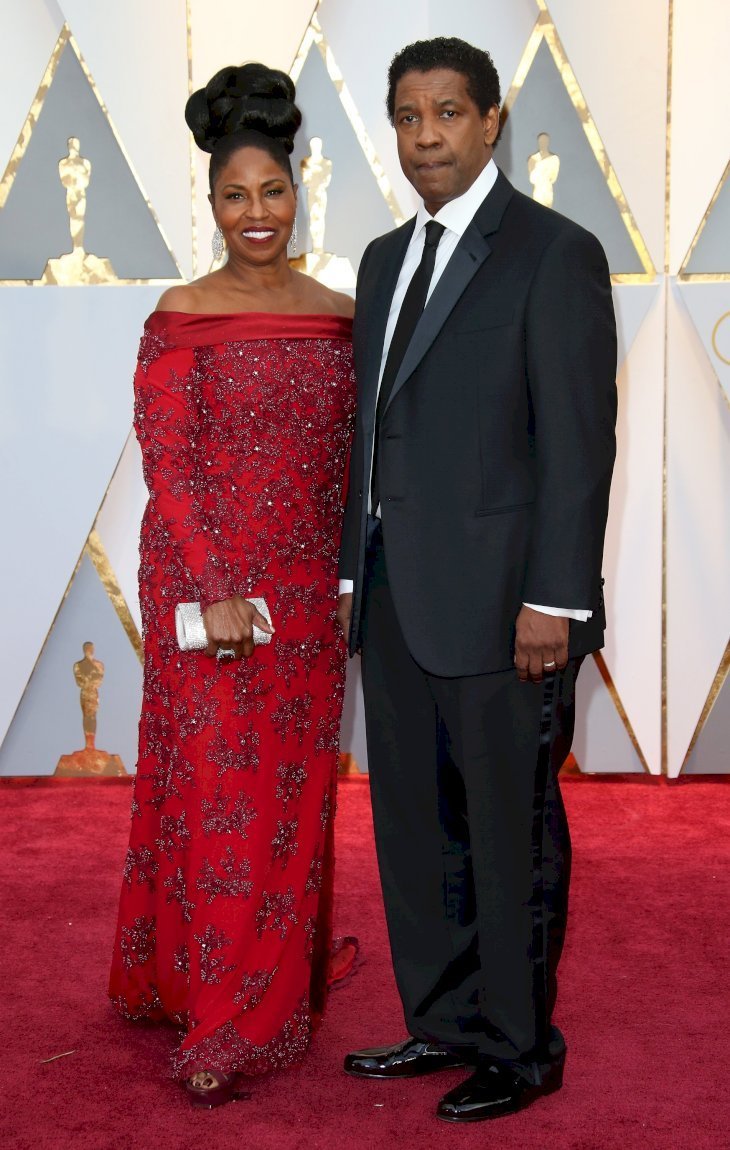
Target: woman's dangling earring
{"type": "Point", "coordinates": [293, 241]}
{"type": "Point", "coordinates": [217, 244]}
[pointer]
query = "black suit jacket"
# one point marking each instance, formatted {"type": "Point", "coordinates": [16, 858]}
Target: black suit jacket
{"type": "Point", "coordinates": [497, 444]}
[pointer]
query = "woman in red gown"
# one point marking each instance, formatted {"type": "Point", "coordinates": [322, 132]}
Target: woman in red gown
{"type": "Point", "coordinates": [244, 400]}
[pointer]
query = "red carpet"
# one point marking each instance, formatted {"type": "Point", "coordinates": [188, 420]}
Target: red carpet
{"type": "Point", "coordinates": [644, 1002]}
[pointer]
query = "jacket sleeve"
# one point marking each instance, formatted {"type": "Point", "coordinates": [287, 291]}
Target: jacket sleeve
{"type": "Point", "coordinates": [570, 338]}
{"type": "Point", "coordinates": [167, 426]}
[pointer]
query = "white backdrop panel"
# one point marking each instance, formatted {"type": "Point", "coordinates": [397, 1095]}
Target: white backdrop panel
{"type": "Point", "coordinates": [633, 556]}
{"type": "Point", "coordinates": [119, 522]}
{"type": "Point", "coordinates": [698, 540]}
{"type": "Point", "coordinates": [631, 303]}
{"type": "Point", "coordinates": [618, 53]}
{"type": "Point", "coordinates": [69, 355]}
{"type": "Point", "coordinates": [30, 31]}
{"type": "Point", "coordinates": [700, 116]}
{"type": "Point", "coordinates": [709, 306]}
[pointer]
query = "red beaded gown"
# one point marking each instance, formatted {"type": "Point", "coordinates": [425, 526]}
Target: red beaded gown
{"type": "Point", "coordinates": [225, 916]}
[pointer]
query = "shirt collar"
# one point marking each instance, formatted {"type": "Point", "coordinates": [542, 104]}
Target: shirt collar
{"type": "Point", "coordinates": [458, 214]}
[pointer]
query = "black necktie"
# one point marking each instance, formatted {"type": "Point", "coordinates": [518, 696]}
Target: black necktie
{"type": "Point", "coordinates": [413, 304]}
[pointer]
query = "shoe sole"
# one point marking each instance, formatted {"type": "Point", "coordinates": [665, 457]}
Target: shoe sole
{"type": "Point", "coordinates": [416, 1074]}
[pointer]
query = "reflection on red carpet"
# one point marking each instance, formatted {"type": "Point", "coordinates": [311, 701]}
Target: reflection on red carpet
{"type": "Point", "coordinates": [644, 1001]}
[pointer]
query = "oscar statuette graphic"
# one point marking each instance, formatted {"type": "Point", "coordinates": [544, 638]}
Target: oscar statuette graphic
{"type": "Point", "coordinates": [89, 673]}
{"type": "Point", "coordinates": [543, 167]}
{"type": "Point", "coordinates": [77, 266]}
{"type": "Point", "coordinates": [334, 271]}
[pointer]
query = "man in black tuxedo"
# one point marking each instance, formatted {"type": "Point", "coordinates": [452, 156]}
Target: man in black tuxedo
{"type": "Point", "coordinates": [473, 542]}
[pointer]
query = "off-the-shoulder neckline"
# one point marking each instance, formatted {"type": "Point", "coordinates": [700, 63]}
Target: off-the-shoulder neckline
{"type": "Point", "coordinates": [241, 314]}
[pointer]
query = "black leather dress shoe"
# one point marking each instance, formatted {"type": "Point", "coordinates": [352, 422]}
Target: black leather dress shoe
{"type": "Point", "coordinates": [497, 1089]}
{"type": "Point", "coordinates": [409, 1059]}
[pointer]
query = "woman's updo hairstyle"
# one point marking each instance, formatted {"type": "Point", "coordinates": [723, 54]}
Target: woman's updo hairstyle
{"type": "Point", "coordinates": [249, 105]}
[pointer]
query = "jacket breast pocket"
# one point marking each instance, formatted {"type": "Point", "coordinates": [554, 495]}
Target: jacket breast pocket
{"type": "Point", "coordinates": [486, 319]}
{"type": "Point", "coordinates": [483, 511]}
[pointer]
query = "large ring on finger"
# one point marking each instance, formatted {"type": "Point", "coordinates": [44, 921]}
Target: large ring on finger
{"type": "Point", "coordinates": [549, 666]}
{"type": "Point", "coordinates": [225, 653]}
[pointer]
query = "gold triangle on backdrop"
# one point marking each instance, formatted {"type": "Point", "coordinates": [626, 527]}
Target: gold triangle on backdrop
{"type": "Point", "coordinates": [618, 704]}
{"type": "Point", "coordinates": [94, 550]}
{"type": "Point", "coordinates": [77, 270]}
{"type": "Point", "coordinates": [686, 276]}
{"type": "Point", "coordinates": [314, 38]}
{"type": "Point", "coordinates": [721, 676]}
{"type": "Point", "coordinates": [546, 31]}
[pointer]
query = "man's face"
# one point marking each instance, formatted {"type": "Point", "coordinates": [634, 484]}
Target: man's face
{"type": "Point", "coordinates": [444, 141]}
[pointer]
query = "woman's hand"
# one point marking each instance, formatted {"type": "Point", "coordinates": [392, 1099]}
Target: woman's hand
{"type": "Point", "coordinates": [229, 624]}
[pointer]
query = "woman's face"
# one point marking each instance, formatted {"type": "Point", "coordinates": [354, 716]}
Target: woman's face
{"type": "Point", "coordinates": [254, 204]}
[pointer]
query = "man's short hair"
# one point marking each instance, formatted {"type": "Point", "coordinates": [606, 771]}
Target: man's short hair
{"type": "Point", "coordinates": [482, 81]}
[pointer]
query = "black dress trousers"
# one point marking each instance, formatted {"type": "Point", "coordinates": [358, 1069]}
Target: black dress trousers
{"type": "Point", "coordinates": [472, 837]}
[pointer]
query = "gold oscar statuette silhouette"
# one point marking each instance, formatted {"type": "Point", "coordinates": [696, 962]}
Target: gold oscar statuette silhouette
{"type": "Point", "coordinates": [89, 673]}
{"type": "Point", "coordinates": [334, 271]}
{"type": "Point", "coordinates": [77, 266]}
{"type": "Point", "coordinates": [543, 167]}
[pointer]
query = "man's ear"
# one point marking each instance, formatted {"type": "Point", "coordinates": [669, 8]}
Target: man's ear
{"type": "Point", "coordinates": [491, 125]}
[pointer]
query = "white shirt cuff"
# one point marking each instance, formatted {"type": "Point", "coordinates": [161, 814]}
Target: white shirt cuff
{"type": "Point", "coordinates": [563, 612]}
{"type": "Point", "coordinates": [346, 586]}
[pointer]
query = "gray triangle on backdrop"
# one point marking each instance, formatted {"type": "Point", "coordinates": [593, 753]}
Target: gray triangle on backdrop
{"type": "Point", "coordinates": [48, 724]}
{"type": "Point", "coordinates": [711, 253]}
{"type": "Point", "coordinates": [356, 208]}
{"type": "Point", "coordinates": [580, 191]}
{"type": "Point", "coordinates": [119, 225]}
{"type": "Point", "coordinates": [601, 744]}
{"type": "Point", "coordinates": [709, 755]}
{"type": "Point", "coordinates": [632, 303]}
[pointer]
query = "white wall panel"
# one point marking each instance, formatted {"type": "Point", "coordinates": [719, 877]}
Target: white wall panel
{"type": "Point", "coordinates": [68, 360]}
{"type": "Point", "coordinates": [30, 31]}
{"type": "Point", "coordinates": [700, 140]}
{"type": "Point", "coordinates": [631, 303]}
{"type": "Point", "coordinates": [119, 521]}
{"type": "Point", "coordinates": [633, 556]}
{"type": "Point", "coordinates": [698, 539]}
{"type": "Point", "coordinates": [618, 52]}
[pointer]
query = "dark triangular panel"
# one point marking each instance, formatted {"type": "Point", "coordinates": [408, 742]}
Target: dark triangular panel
{"type": "Point", "coordinates": [711, 252]}
{"type": "Point", "coordinates": [119, 225]}
{"type": "Point", "coordinates": [602, 744]}
{"type": "Point", "coordinates": [711, 752]}
{"type": "Point", "coordinates": [48, 722]}
{"type": "Point", "coordinates": [356, 209]}
{"type": "Point", "coordinates": [581, 190]}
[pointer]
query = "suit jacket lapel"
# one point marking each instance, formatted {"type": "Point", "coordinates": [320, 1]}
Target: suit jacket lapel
{"type": "Point", "coordinates": [468, 256]}
{"type": "Point", "coordinates": [385, 277]}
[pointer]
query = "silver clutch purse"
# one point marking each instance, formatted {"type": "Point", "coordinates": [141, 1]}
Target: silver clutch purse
{"type": "Point", "coordinates": [191, 634]}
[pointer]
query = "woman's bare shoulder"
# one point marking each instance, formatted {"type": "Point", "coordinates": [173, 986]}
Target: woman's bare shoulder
{"type": "Point", "coordinates": [322, 299]}
{"type": "Point", "coordinates": [185, 297]}
{"type": "Point", "coordinates": [343, 304]}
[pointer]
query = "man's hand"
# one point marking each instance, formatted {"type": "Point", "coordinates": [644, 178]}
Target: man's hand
{"type": "Point", "coordinates": [541, 645]}
{"type": "Point", "coordinates": [344, 613]}
{"type": "Point", "coordinates": [229, 624]}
